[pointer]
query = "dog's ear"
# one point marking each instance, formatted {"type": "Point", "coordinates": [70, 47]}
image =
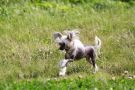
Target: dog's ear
{"type": "Point", "coordinates": [70, 36]}
{"type": "Point", "coordinates": [57, 35]}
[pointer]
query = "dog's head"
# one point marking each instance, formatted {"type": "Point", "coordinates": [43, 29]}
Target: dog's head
{"type": "Point", "coordinates": [65, 42]}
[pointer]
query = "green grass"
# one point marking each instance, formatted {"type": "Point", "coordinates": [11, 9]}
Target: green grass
{"type": "Point", "coordinates": [71, 84]}
{"type": "Point", "coordinates": [28, 51]}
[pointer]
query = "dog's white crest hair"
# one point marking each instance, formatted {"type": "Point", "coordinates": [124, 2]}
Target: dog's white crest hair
{"type": "Point", "coordinates": [74, 33]}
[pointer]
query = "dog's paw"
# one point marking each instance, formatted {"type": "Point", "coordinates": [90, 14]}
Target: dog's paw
{"type": "Point", "coordinates": [62, 74]}
{"type": "Point", "coordinates": [62, 71]}
{"type": "Point", "coordinates": [95, 69]}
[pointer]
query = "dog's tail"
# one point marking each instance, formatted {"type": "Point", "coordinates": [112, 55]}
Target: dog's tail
{"type": "Point", "coordinates": [97, 44]}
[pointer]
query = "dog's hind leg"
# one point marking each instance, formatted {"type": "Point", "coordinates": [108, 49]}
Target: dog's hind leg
{"type": "Point", "coordinates": [91, 58]}
{"type": "Point", "coordinates": [94, 66]}
{"type": "Point", "coordinates": [92, 61]}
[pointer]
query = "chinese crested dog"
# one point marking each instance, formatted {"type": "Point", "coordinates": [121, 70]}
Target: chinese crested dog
{"type": "Point", "coordinates": [75, 50]}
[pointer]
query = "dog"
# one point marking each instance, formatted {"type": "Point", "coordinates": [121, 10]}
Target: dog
{"type": "Point", "coordinates": [76, 50]}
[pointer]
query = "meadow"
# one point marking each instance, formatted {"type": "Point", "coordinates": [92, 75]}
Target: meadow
{"type": "Point", "coordinates": [29, 56]}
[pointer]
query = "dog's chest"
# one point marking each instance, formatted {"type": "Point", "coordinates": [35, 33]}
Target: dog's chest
{"type": "Point", "coordinates": [76, 54]}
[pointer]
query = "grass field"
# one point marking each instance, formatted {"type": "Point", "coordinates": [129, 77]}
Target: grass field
{"type": "Point", "coordinates": [89, 83]}
{"type": "Point", "coordinates": [28, 51]}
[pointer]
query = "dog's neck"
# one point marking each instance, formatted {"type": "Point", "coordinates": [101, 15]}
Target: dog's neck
{"type": "Point", "coordinates": [75, 44]}
{"type": "Point", "coordinates": [70, 49]}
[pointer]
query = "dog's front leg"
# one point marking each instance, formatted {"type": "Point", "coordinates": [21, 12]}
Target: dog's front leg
{"type": "Point", "coordinates": [63, 67]}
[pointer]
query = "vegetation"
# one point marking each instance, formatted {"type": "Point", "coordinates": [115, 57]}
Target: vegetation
{"type": "Point", "coordinates": [29, 52]}
{"type": "Point", "coordinates": [71, 84]}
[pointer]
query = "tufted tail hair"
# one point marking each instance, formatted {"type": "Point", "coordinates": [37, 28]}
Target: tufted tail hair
{"type": "Point", "coordinates": [97, 44]}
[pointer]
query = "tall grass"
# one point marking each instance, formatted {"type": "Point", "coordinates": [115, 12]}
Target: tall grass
{"type": "Point", "coordinates": [28, 49]}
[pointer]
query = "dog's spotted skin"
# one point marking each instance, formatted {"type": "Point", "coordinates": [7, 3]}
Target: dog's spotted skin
{"type": "Point", "coordinates": [75, 50]}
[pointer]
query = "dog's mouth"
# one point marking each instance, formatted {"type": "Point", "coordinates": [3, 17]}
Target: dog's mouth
{"type": "Point", "coordinates": [61, 48]}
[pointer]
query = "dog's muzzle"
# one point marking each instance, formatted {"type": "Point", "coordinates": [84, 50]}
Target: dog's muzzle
{"type": "Point", "coordinates": [62, 46]}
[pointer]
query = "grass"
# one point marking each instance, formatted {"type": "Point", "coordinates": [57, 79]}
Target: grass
{"type": "Point", "coordinates": [28, 50]}
{"type": "Point", "coordinates": [70, 84]}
